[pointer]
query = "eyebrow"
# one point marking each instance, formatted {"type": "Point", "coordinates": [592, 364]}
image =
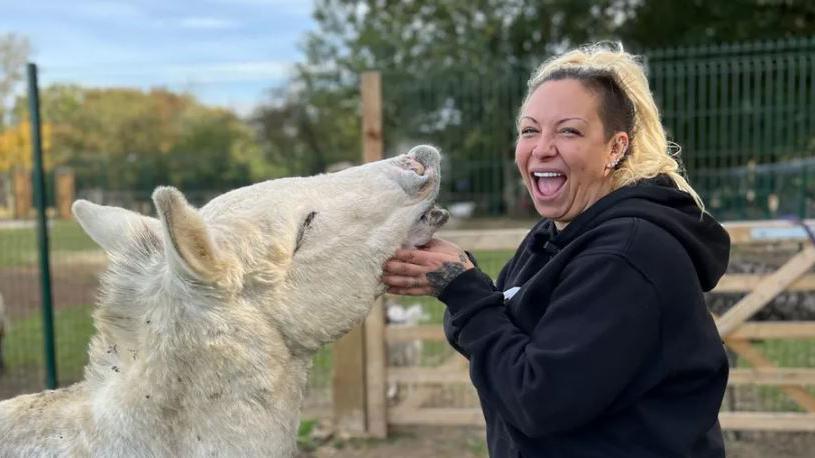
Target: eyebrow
{"type": "Point", "coordinates": [573, 118]}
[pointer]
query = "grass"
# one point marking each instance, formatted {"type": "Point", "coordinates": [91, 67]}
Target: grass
{"type": "Point", "coordinates": [73, 328]}
{"type": "Point", "coordinates": [304, 440]}
{"type": "Point", "coordinates": [490, 262]}
{"type": "Point", "coordinates": [783, 353]}
{"type": "Point", "coordinates": [19, 246]}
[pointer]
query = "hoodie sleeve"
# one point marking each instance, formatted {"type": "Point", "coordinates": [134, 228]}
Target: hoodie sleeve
{"type": "Point", "coordinates": [483, 284]}
{"type": "Point", "coordinates": [601, 323]}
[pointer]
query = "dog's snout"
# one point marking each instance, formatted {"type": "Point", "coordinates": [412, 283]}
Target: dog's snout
{"type": "Point", "coordinates": [418, 170]}
{"type": "Point", "coordinates": [426, 155]}
{"type": "Point", "coordinates": [438, 216]}
{"type": "Point", "coordinates": [416, 166]}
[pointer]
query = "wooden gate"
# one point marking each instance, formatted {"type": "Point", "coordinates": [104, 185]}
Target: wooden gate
{"type": "Point", "coordinates": [739, 334]}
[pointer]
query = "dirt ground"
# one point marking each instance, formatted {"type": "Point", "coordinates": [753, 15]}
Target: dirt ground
{"type": "Point", "coordinates": [74, 281]}
{"type": "Point", "coordinates": [407, 442]}
{"type": "Point", "coordinates": [443, 442]}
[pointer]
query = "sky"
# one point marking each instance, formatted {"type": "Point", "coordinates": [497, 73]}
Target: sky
{"type": "Point", "coordinates": [226, 52]}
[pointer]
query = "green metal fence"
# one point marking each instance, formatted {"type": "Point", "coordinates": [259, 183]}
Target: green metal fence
{"type": "Point", "coordinates": [744, 115]}
{"type": "Point", "coordinates": [76, 262]}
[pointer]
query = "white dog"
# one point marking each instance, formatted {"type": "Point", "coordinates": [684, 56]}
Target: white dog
{"type": "Point", "coordinates": [209, 318]}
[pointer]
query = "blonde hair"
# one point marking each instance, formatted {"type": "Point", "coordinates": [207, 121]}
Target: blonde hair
{"type": "Point", "coordinates": [596, 66]}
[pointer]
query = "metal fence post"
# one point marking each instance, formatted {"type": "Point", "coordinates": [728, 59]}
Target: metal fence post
{"type": "Point", "coordinates": [42, 229]}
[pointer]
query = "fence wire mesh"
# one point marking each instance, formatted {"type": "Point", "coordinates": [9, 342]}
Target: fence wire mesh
{"type": "Point", "coordinates": [743, 115]}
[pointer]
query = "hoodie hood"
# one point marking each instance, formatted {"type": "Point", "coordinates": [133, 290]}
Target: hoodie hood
{"type": "Point", "coordinates": [660, 202]}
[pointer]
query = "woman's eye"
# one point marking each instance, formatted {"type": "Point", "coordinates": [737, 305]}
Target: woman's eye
{"type": "Point", "coordinates": [569, 131]}
{"type": "Point", "coordinates": [526, 131]}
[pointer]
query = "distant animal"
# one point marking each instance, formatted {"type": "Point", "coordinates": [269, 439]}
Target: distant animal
{"type": "Point", "coordinates": [208, 319]}
{"type": "Point", "coordinates": [403, 354]}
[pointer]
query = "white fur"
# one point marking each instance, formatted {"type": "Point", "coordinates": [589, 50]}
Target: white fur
{"type": "Point", "coordinates": [208, 319]}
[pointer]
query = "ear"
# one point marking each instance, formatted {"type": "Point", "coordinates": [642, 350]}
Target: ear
{"type": "Point", "coordinates": [619, 149]}
{"type": "Point", "coordinates": [187, 241]}
{"type": "Point", "coordinates": [109, 227]}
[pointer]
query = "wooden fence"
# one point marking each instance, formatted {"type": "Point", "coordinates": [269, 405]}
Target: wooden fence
{"type": "Point", "coordinates": [740, 335]}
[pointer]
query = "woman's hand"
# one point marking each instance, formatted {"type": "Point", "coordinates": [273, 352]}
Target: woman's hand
{"type": "Point", "coordinates": [425, 271]}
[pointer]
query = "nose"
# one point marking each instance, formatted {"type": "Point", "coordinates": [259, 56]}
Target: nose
{"type": "Point", "coordinates": [437, 216]}
{"type": "Point", "coordinates": [423, 161]}
{"type": "Point", "coordinates": [544, 147]}
{"type": "Point", "coordinates": [423, 157]}
{"type": "Point", "coordinates": [415, 165]}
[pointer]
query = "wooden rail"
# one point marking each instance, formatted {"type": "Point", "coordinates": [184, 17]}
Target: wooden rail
{"type": "Point", "coordinates": [794, 276]}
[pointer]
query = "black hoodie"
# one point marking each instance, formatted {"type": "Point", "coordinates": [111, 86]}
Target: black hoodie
{"type": "Point", "coordinates": [606, 348]}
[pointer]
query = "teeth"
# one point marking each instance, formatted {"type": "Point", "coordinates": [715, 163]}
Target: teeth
{"type": "Point", "coordinates": [547, 174]}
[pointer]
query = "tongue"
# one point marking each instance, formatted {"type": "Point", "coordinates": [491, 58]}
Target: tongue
{"type": "Point", "coordinates": [549, 186]}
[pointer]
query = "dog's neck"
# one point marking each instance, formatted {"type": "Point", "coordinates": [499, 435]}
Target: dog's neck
{"type": "Point", "coordinates": [189, 363]}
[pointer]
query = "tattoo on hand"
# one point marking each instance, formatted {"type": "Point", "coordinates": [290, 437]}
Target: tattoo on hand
{"type": "Point", "coordinates": [463, 257]}
{"type": "Point", "coordinates": [440, 278]}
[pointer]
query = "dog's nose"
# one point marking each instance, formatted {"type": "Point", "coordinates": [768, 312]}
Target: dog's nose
{"type": "Point", "coordinates": [415, 165]}
{"type": "Point", "coordinates": [438, 216]}
{"type": "Point", "coordinates": [426, 155]}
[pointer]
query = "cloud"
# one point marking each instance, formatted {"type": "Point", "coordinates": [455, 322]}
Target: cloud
{"type": "Point", "coordinates": [207, 23]}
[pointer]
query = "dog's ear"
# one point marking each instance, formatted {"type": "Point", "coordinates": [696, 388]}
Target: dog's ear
{"type": "Point", "coordinates": [187, 241]}
{"type": "Point", "coordinates": [109, 227]}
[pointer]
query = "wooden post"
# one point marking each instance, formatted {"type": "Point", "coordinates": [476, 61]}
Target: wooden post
{"type": "Point", "coordinates": [375, 376]}
{"type": "Point", "coordinates": [371, 90]}
{"type": "Point", "coordinates": [22, 193]}
{"type": "Point", "coordinates": [65, 192]}
{"type": "Point", "coordinates": [359, 357]}
{"type": "Point", "coordinates": [348, 384]}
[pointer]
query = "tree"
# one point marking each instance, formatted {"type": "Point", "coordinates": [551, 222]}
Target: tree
{"type": "Point", "coordinates": [454, 72]}
{"type": "Point", "coordinates": [660, 24]}
{"type": "Point", "coordinates": [424, 42]}
{"type": "Point", "coordinates": [407, 41]}
{"type": "Point", "coordinates": [14, 50]}
{"type": "Point", "coordinates": [134, 140]}
{"type": "Point", "coordinates": [15, 146]}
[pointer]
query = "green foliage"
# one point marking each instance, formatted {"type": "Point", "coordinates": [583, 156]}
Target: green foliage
{"type": "Point", "coordinates": [128, 139]}
{"type": "Point", "coordinates": [479, 53]}
{"type": "Point", "coordinates": [660, 24]}
{"type": "Point", "coordinates": [304, 440]}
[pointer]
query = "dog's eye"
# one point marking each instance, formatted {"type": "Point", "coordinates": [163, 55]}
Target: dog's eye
{"type": "Point", "coordinates": [309, 219]}
{"type": "Point", "coordinates": [306, 224]}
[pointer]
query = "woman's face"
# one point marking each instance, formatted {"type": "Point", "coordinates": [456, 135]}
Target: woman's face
{"type": "Point", "coordinates": [562, 152]}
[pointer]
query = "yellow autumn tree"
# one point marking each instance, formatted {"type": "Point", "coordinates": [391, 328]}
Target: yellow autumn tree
{"type": "Point", "coordinates": [15, 146]}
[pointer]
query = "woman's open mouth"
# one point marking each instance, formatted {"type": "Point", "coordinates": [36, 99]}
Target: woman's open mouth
{"type": "Point", "coordinates": [547, 185]}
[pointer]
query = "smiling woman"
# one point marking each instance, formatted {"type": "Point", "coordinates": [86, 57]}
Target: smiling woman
{"type": "Point", "coordinates": [595, 339]}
